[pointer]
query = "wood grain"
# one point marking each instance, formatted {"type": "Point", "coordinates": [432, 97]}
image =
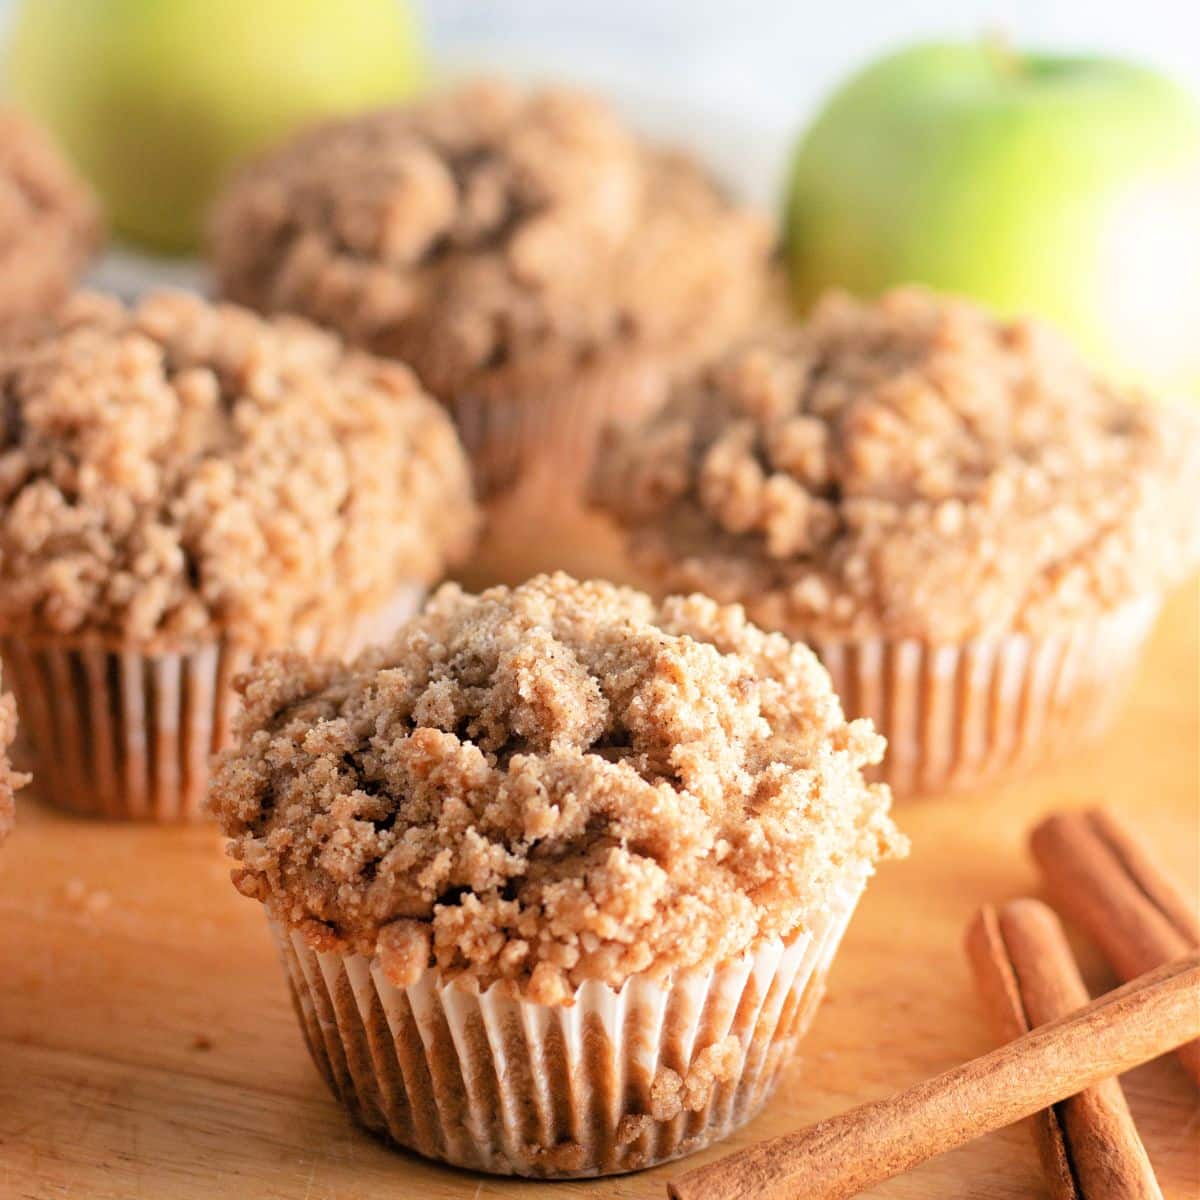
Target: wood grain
{"type": "Point", "coordinates": [147, 1047]}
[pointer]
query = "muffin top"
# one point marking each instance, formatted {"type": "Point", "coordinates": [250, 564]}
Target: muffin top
{"type": "Point", "coordinates": [558, 783]}
{"type": "Point", "coordinates": [487, 232]}
{"type": "Point", "coordinates": [49, 222]}
{"type": "Point", "coordinates": [10, 780]}
{"type": "Point", "coordinates": [909, 468]}
{"type": "Point", "coordinates": [181, 470]}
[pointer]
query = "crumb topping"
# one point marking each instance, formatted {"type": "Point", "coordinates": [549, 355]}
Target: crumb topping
{"type": "Point", "coordinates": [179, 470]}
{"type": "Point", "coordinates": [49, 223]}
{"type": "Point", "coordinates": [672, 1093]}
{"type": "Point", "coordinates": [911, 468]}
{"type": "Point", "coordinates": [548, 785]}
{"type": "Point", "coordinates": [488, 229]}
{"type": "Point", "coordinates": [10, 780]}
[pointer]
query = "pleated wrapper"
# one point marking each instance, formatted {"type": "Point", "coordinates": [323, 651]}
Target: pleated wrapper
{"type": "Point", "coordinates": [957, 716]}
{"type": "Point", "coordinates": [127, 735]}
{"type": "Point", "coordinates": [619, 1080]}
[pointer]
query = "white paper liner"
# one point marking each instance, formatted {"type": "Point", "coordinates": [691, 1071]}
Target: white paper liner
{"type": "Point", "coordinates": [123, 734]}
{"type": "Point", "coordinates": [511, 425]}
{"type": "Point", "coordinates": [957, 716]}
{"type": "Point", "coordinates": [497, 1084]}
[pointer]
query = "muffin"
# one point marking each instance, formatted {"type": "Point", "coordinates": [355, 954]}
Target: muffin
{"type": "Point", "coordinates": [540, 268]}
{"type": "Point", "coordinates": [557, 875]}
{"type": "Point", "coordinates": [49, 221]}
{"type": "Point", "coordinates": [183, 486]}
{"type": "Point", "coordinates": [972, 530]}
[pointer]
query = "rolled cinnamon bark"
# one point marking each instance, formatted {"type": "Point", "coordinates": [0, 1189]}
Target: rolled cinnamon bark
{"type": "Point", "coordinates": [1102, 878]}
{"type": "Point", "coordinates": [841, 1156]}
{"type": "Point", "coordinates": [1088, 1144]}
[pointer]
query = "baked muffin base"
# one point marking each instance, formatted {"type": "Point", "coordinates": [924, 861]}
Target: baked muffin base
{"type": "Point", "coordinates": [616, 1082]}
{"type": "Point", "coordinates": [957, 716]}
{"type": "Point", "coordinates": [127, 735]}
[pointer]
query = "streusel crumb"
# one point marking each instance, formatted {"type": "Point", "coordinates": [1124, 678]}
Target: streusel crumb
{"type": "Point", "coordinates": [10, 780]}
{"type": "Point", "coordinates": [49, 222]}
{"type": "Point", "coordinates": [910, 467]}
{"type": "Point", "coordinates": [489, 231]}
{"type": "Point", "coordinates": [548, 785]}
{"type": "Point", "coordinates": [180, 470]}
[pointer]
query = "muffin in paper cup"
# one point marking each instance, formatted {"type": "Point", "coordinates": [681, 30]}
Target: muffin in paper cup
{"type": "Point", "coordinates": [187, 488]}
{"type": "Point", "coordinates": [129, 734]}
{"type": "Point", "coordinates": [973, 531]}
{"type": "Point", "coordinates": [540, 267]}
{"type": "Point", "coordinates": [557, 876]}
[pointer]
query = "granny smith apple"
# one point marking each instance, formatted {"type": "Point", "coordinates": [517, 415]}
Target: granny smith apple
{"type": "Point", "coordinates": [1068, 187]}
{"type": "Point", "coordinates": [156, 99]}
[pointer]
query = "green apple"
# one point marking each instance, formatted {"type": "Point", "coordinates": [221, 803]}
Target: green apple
{"type": "Point", "coordinates": [156, 99]}
{"type": "Point", "coordinates": [1065, 187]}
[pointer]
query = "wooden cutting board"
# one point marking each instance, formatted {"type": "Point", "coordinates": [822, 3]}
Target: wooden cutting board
{"type": "Point", "coordinates": [147, 1046]}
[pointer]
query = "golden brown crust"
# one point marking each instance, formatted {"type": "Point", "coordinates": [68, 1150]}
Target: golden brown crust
{"type": "Point", "coordinates": [49, 222]}
{"type": "Point", "coordinates": [180, 471]}
{"type": "Point", "coordinates": [551, 784]}
{"type": "Point", "coordinates": [909, 468]}
{"type": "Point", "coordinates": [487, 234]}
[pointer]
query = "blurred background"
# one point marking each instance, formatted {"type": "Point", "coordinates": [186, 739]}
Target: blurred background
{"type": "Point", "coordinates": [736, 80]}
{"type": "Point", "coordinates": [757, 68]}
{"type": "Point", "coordinates": [1068, 187]}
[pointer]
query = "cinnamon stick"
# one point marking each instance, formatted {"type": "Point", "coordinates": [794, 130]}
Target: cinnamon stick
{"type": "Point", "coordinates": [1101, 877]}
{"type": "Point", "coordinates": [1088, 1144]}
{"type": "Point", "coordinates": [841, 1156]}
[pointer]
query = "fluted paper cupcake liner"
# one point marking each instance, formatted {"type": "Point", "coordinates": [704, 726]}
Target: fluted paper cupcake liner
{"type": "Point", "coordinates": [956, 716]}
{"type": "Point", "coordinates": [126, 734]}
{"type": "Point", "coordinates": [498, 1084]}
{"type": "Point", "coordinates": [510, 425]}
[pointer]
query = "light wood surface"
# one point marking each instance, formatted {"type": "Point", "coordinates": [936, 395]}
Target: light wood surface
{"type": "Point", "coordinates": [147, 1046]}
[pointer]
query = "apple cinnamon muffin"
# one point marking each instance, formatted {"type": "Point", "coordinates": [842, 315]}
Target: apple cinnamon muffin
{"type": "Point", "coordinates": [541, 268]}
{"type": "Point", "coordinates": [557, 874]}
{"type": "Point", "coordinates": [972, 529]}
{"type": "Point", "coordinates": [183, 486]}
{"type": "Point", "coordinates": [49, 222]}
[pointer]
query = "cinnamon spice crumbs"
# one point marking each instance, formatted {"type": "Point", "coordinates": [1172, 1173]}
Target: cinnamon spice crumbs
{"type": "Point", "coordinates": [557, 783]}
{"type": "Point", "coordinates": [179, 469]}
{"type": "Point", "coordinates": [489, 231]}
{"type": "Point", "coordinates": [909, 468]}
